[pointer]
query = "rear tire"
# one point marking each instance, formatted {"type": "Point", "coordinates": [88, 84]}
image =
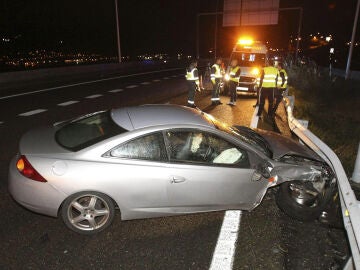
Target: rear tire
{"type": "Point", "coordinates": [292, 199]}
{"type": "Point", "coordinates": [88, 212]}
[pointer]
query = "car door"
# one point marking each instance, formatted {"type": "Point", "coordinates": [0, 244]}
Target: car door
{"type": "Point", "coordinates": [210, 173]}
{"type": "Point", "coordinates": [142, 171]}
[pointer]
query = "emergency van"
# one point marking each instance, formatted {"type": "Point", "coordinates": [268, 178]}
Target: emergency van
{"type": "Point", "coordinates": [251, 56]}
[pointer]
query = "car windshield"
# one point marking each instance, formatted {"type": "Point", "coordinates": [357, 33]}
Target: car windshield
{"type": "Point", "coordinates": [245, 134]}
{"type": "Point", "coordinates": [249, 59]}
{"type": "Point", "coordinates": [87, 130]}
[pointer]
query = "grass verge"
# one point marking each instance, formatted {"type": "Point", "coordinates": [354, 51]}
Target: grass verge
{"type": "Point", "coordinates": [332, 106]}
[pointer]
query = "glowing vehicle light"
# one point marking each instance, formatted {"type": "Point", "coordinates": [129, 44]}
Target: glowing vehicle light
{"type": "Point", "coordinates": [255, 71]}
{"type": "Point", "coordinates": [245, 41]}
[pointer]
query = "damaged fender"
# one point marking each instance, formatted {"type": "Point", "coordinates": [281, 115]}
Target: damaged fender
{"type": "Point", "coordinates": [291, 172]}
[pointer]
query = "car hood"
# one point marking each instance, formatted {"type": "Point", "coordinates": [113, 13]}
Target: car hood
{"type": "Point", "coordinates": [40, 141]}
{"type": "Point", "coordinates": [282, 146]}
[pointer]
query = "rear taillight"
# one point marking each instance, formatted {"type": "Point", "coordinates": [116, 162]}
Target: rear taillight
{"type": "Point", "coordinates": [27, 170]}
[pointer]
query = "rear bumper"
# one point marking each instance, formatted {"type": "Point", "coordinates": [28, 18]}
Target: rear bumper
{"type": "Point", "coordinates": [36, 196]}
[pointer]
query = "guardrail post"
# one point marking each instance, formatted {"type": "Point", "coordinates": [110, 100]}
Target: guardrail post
{"type": "Point", "coordinates": [356, 173]}
{"type": "Point", "coordinates": [292, 101]}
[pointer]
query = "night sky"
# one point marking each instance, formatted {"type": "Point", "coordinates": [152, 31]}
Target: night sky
{"type": "Point", "coordinates": [150, 26]}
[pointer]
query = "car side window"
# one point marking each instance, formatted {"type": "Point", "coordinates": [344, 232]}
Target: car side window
{"type": "Point", "coordinates": [204, 148]}
{"type": "Point", "coordinates": [149, 147]}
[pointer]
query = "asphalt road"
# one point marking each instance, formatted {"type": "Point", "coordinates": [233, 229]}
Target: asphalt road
{"type": "Point", "coordinates": [267, 239]}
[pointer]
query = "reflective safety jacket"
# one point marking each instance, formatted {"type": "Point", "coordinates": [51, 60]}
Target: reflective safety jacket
{"type": "Point", "coordinates": [283, 82]}
{"type": "Point", "coordinates": [216, 71]}
{"type": "Point", "coordinates": [192, 75]}
{"type": "Point", "coordinates": [269, 77]}
{"type": "Point", "coordinates": [235, 74]}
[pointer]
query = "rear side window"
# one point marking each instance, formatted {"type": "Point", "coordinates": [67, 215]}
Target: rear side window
{"type": "Point", "coordinates": [150, 147]}
{"type": "Point", "coordinates": [87, 131]}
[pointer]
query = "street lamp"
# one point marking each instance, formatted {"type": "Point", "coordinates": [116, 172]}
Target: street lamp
{"type": "Point", "coordinates": [117, 30]}
{"type": "Point", "coordinates": [332, 51]}
{"type": "Point", "coordinates": [347, 71]}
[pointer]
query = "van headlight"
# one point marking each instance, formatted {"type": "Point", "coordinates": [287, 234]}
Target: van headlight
{"type": "Point", "coordinates": [255, 71]}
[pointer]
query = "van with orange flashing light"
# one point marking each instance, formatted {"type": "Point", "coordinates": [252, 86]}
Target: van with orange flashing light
{"type": "Point", "coordinates": [251, 56]}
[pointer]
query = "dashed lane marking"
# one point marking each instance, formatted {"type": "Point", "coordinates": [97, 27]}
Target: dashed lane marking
{"type": "Point", "coordinates": [145, 83]}
{"type": "Point", "coordinates": [1, 122]}
{"type": "Point", "coordinates": [32, 112]}
{"type": "Point", "coordinates": [255, 118]}
{"type": "Point", "coordinates": [116, 90]}
{"type": "Point", "coordinates": [156, 80]}
{"type": "Point", "coordinates": [67, 103]}
{"type": "Point", "coordinates": [94, 96]}
{"type": "Point", "coordinates": [88, 82]}
{"type": "Point", "coordinates": [166, 78]}
{"type": "Point", "coordinates": [131, 86]}
{"type": "Point", "coordinates": [223, 257]}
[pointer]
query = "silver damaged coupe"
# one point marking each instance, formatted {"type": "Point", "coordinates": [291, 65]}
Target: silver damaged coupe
{"type": "Point", "coordinates": [159, 160]}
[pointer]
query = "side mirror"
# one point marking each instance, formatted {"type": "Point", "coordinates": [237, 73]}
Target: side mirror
{"type": "Point", "coordinates": [264, 169]}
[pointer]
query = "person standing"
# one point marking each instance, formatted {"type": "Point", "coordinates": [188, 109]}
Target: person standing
{"type": "Point", "coordinates": [281, 86]}
{"type": "Point", "coordinates": [268, 83]}
{"type": "Point", "coordinates": [216, 77]}
{"type": "Point", "coordinates": [192, 78]}
{"type": "Point", "coordinates": [234, 76]}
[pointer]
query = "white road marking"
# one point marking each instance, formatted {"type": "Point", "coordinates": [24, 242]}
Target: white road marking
{"type": "Point", "coordinates": [116, 90]}
{"type": "Point", "coordinates": [131, 86]}
{"type": "Point", "coordinates": [255, 118]}
{"type": "Point", "coordinates": [1, 122]}
{"type": "Point", "coordinates": [67, 103]}
{"type": "Point", "coordinates": [166, 78]}
{"type": "Point", "coordinates": [32, 112]}
{"type": "Point", "coordinates": [224, 253]}
{"type": "Point", "coordinates": [145, 83]}
{"type": "Point", "coordinates": [88, 82]}
{"type": "Point", "coordinates": [94, 96]}
{"type": "Point", "coordinates": [174, 76]}
{"type": "Point", "coordinates": [223, 257]}
{"type": "Point", "coordinates": [156, 80]}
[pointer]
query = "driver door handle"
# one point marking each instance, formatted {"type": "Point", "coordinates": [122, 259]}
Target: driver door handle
{"type": "Point", "coordinates": [177, 179]}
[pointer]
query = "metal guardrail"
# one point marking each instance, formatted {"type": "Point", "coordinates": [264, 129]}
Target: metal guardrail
{"type": "Point", "coordinates": [349, 204]}
{"type": "Point", "coordinates": [354, 74]}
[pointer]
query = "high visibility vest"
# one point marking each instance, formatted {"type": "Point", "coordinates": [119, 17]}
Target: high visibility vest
{"type": "Point", "coordinates": [190, 76]}
{"type": "Point", "coordinates": [217, 73]}
{"type": "Point", "coordinates": [270, 76]}
{"type": "Point", "coordinates": [280, 79]}
{"type": "Point", "coordinates": [232, 74]}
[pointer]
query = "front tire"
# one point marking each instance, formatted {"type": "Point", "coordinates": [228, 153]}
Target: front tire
{"type": "Point", "coordinates": [88, 212]}
{"type": "Point", "coordinates": [298, 200]}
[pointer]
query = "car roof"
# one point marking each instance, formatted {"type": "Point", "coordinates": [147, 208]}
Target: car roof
{"type": "Point", "coordinates": [137, 117]}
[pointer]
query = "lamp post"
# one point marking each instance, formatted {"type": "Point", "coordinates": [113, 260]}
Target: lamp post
{"type": "Point", "coordinates": [347, 72]}
{"type": "Point", "coordinates": [332, 51]}
{"type": "Point", "coordinates": [117, 30]}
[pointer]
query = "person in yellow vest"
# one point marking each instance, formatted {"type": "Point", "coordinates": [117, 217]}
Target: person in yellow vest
{"type": "Point", "coordinates": [281, 86]}
{"type": "Point", "coordinates": [268, 83]}
{"type": "Point", "coordinates": [192, 78]}
{"type": "Point", "coordinates": [216, 78]}
{"type": "Point", "coordinates": [234, 76]}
